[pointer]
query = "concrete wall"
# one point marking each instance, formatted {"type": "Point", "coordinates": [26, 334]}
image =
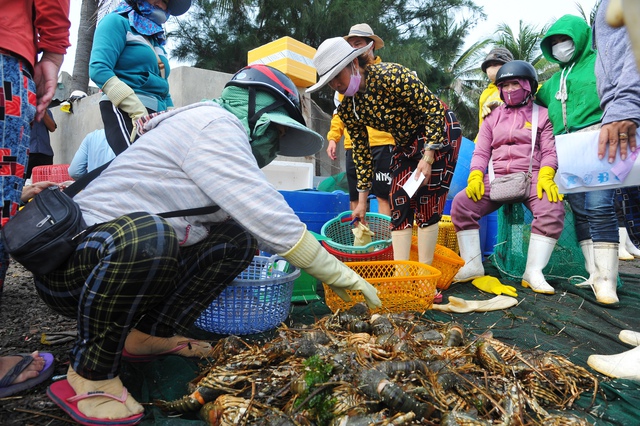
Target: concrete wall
{"type": "Point", "coordinates": [188, 85]}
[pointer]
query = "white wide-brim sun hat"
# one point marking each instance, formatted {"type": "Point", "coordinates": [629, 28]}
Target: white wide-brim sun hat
{"type": "Point", "coordinates": [332, 56]}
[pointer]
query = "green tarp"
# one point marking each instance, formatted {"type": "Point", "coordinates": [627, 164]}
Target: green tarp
{"type": "Point", "coordinates": [568, 323]}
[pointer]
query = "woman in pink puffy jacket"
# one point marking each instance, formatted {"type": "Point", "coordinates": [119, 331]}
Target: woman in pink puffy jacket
{"type": "Point", "coordinates": [505, 141]}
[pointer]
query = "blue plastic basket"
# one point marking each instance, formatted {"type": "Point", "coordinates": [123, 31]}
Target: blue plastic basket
{"type": "Point", "coordinates": [259, 299]}
{"type": "Point", "coordinates": [340, 237]}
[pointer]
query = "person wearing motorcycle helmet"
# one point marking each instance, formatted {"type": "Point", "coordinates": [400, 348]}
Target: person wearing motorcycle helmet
{"type": "Point", "coordinates": [130, 65]}
{"type": "Point", "coordinates": [137, 281]}
{"type": "Point", "coordinates": [505, 143]}
{"type": "Point", "coordinates": [257, 95]}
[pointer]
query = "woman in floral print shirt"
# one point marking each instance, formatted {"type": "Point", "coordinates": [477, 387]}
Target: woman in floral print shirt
{"type": "Point", "coordinates": [390, 98]}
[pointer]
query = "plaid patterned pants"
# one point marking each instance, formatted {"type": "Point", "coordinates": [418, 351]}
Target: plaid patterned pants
{"type": "Point", "coordinates": [131, 272]}
{"type": "Point", "coordinates": [17, 110]}
{"type": "Point", "coordinates": [628, 199]}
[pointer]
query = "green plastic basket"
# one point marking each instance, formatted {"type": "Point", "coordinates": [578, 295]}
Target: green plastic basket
{"type": "Point", "coordinates": [340, 237]}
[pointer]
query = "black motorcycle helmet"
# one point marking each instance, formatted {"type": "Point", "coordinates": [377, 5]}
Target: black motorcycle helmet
{"type": "Point", "coordinates": [273, 81]}
{"type": "Point", "coordinates": [518, 69]}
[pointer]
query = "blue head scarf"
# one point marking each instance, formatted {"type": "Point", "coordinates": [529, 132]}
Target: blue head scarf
{"type": "Point", "coordinates": [140, 21]}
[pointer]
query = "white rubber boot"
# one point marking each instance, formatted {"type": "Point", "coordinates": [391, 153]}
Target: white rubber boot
{"type": "Point", "coordinates": [628, 245]}
{"type": "Point", "coordinates": [629, 337]}
{"type": "Point", "coordinates": [427, 239]}
{"type": "Point", "coordinates": [623, 254]}
{"type": "Point", "coordinates": [540, 249]}
{"type": "Point", "coordinates": [401, 241]}
{"type": "Point", "coordinates": [605, 279]}
{"type": "Point", "coordinates": [625, 365]}
{"type": "Point", "coordinates": [471, 253]}
{"type": "Point", "coordinates": [587, 252]}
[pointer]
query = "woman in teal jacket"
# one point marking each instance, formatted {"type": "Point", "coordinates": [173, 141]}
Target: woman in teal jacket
{"type": "Point", "coordinates": [129, 63]}
{"type": "Point", "coordinates": [571, 98]}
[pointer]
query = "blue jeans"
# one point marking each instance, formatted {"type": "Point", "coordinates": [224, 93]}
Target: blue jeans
{"type": "Point", "coordinates": [595, 215]}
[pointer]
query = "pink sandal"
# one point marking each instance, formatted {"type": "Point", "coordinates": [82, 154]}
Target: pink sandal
{"type": "Point", "coordinates": [65, 397]}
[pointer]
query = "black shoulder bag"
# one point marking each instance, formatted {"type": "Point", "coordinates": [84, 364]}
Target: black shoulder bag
{"type": "Point", "coordinates": [46, 231]}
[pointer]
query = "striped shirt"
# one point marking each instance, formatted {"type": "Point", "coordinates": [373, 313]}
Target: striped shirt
{"type": "Point", "coordinates": [191, 157]}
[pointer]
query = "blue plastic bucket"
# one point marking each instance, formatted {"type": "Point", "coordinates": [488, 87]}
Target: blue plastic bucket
{"type": "Point", "coordinates": [315, 208]}
{"type": "Point", "coordinates": [491, 233]}
{"type": "Point", "coordinates": [461, 172]}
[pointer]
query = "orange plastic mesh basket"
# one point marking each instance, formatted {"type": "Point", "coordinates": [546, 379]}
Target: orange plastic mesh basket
{"type": "Point", "coordinates": [446, 233]}
{"type": "Point", "coordinates": [444, 260]}
{"type": "Point", "coordinates": [57, 173]}
{"type": "Point", "coordinates": [402, 285]}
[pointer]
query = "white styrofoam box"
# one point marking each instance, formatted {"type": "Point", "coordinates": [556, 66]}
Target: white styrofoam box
{"type": "Point", "coordinates": [289, 175]}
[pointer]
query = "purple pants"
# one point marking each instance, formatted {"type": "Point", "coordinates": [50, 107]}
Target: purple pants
{"type": "Point", "coordinates": [548, 217]}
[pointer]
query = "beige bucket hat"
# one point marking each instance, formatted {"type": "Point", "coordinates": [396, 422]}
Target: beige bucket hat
{"type": "Point", "coordinates": [364, 30]}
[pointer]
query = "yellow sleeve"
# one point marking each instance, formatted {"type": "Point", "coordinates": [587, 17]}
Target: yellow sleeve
{"type": "Point", "coordinates": [337, 130]}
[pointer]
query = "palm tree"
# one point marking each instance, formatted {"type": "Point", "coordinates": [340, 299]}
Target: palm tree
{"type": "Point", "coordinates": [526, 47]}
{"type": "Point", "coordinates": [465, 82]}
{"type": "Point", "coordinates": [88, 20]}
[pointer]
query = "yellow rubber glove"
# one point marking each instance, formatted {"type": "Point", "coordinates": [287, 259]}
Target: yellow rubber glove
{"type": "Point", "coordinates": [123, 97]}
{"type": "Point", "coordinates": [546, 183]}
{"type": "Point", "coordinates": [488, 107]}
{"type": "Point", "coordinates": [493, 285]}
{"type": "Point", "coordinates": [309, 255]}
{"type": "Point", "coordinates": [475, 185]}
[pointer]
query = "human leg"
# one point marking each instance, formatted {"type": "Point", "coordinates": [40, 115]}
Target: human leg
{"type": "Point", "coordinates": [580, 217]}
{"type": "Point", "coordinates": [593, 214]}
{"type": "Point", "coordinates": [8, 363]}
{"type": "Point", "coordinates": [546, 227]}
{"type": "Point", "coordinates": [36, 159]}
{"type": "Point", "coordinates": [603, 221]}
{"type": "Point", "coordinates": [18, 100]}
{"type": "Point", "coordinates": [352, 180]}
{"type": "Point", "coordinates": [601, 214]}
{"type": "Point", "coordinates": [625, 365]}
{"type": "Point", "coordinates": [204, 270]}
{"type": "Point", "coordinates": [623, 253]}
{"type": "Point", "coordinates": [465, 214]}
{"type": "Point", "coordinates": [122, 270]}
{"type": "Point", "coordinates": [402, 208]}
{"type": "Point", "coordinates": [629, 201]}
{"type": "Point", "coordinates": [381, 188]}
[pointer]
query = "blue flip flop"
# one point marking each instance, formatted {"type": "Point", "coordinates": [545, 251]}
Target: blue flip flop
{"type": "Point", "coordinates": [7, 389]}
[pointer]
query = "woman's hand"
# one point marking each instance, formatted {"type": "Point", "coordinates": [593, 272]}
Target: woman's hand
{"type": "Point", "coordinates": [619, 133]}
{"type": "Point", "coordinates": [359, 212]}
{"type": "Point", "coordinates": [30, 191]}
{"type": "Point", "coordinates": [425, 168]}
{"type": "Point", "coordinates": [331, 149]}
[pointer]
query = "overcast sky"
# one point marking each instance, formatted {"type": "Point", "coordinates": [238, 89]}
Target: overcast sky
{"type": "Point", "coordinates": [532, 12]}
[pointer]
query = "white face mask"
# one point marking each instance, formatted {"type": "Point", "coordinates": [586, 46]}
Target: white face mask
{"type": "Point", "coordinates": [563, 51]}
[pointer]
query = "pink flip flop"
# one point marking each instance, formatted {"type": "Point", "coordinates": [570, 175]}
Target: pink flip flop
{"type": "Point", "coordinates": [65, 397]}
{"type": "Point", "coordinates": [7, 389]}
{"type": "Point", "coordinates": [129, 357]}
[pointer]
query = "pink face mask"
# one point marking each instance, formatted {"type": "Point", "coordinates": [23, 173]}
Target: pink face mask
{"type": "Point", "coordinates": [518, 96]}
{"type": "Point", "coordinates": [354, 83]}
{"type": "Point", "coordinates": [515, 97]}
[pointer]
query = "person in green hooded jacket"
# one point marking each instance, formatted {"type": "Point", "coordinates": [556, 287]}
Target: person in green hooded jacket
{"type": "Point", "coordinates": [571, 98]}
